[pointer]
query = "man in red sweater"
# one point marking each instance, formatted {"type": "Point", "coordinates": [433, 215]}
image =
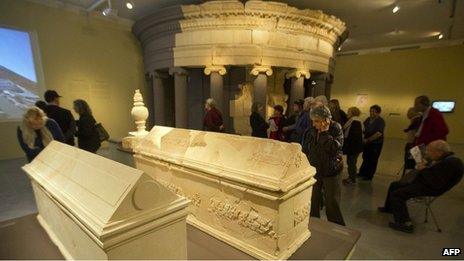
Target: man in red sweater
{"type": "Point", "coordinates": [433, 126]}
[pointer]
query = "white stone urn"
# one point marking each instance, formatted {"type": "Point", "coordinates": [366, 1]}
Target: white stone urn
{"type": "Point", "coordinates": [140, 114]}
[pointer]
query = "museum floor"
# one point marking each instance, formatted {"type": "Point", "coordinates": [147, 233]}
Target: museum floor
{"type": "Point", "coordinates": [359, 205]}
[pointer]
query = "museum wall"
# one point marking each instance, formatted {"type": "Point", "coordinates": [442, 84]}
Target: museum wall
{"type": "Point", "coordinates": [82, 57]}
{"type": "Point", "coordinates": [394, 79]}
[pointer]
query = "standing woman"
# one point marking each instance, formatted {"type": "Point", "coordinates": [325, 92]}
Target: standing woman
{"type": "Point", "coordinates": [374, 127]}
{"type": "Point", "coordinates": [87, 136]}
{"type": "Point", "coordinates": [36, 132]}
{"type": "Point", "coordinates": [276, 124]}
{"type": "Point", "coordinates": [323, 145]}
{"type": "Point", "coordinates": [213, 117]}
{"type": "Point", "coordinates": [258, 125]}
{"type": "Point", "coordinates": [353, 143]}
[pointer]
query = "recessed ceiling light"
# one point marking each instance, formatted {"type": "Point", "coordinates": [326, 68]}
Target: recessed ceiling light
{"type": "Point", "coordinates": [396, 9]}
{"type": "Point", "coordinates": [339, 48]}
{"type": "Point", "coordinates": [440, 36]}
{"type": "Point", "coordinates": [129, 5]}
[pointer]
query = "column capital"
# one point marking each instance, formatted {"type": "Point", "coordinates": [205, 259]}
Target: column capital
{"type": "Point", "coordinates": [161, 75]}
{"type": "Point", "coordinates": [215, 68]}
{"type": "Point", "coordinates": [257, 69]}
{"type": "Point", "coordinates": [178, 71]}
{"type": "Point", "coordinates": [297, 73]}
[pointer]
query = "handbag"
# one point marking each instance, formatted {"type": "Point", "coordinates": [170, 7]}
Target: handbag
{"type": "Point", "coordinates": [102, 133]}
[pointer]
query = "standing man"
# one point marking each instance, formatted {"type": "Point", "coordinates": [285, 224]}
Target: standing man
{"type": "Point", "coordinates": [374, 127]}
{"type": "Point", "coordinates": [63, 117]}
{"type": "Point", "coordinates": [433, 125]}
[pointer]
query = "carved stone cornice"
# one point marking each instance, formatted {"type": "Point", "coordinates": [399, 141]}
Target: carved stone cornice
{"type": "Point", "coordinates": [297, 73]}
{"type": "Point", "coordinates": [257, 69]}
{"type": "Point", "coordinates": [178, 71]}
{"type": "Point", "coordinates": [215, 68]}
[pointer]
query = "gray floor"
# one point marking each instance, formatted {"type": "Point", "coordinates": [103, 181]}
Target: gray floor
{"type": "Point", "coordinates": [358, 205]}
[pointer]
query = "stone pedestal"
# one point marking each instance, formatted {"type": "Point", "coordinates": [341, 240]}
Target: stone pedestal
{"type": "Point", "coordinates": [252, 193]}
{"type": "Point", "coordinates": [95, 208]}
{"type": "Point", "coordinates": [181, 99]}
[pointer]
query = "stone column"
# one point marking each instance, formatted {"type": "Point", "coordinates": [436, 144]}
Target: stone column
{"type": "Point", "coordinates": [180, 96]}
{"type": "Point", "coordinates": [297, 88]}
{"type": "Point", "coordinates": [159, 96]}
{"type": "Point", "coordinates": [260, 84]}
{"type": "Point", "coordinates": [215, 73]}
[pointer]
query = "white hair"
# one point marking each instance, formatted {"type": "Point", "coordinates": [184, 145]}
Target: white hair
{"type": "Point", "coordinates": [320, 112]}
{"type": "Point", "coordinates": [210, 102]}
{"type": "Point", "coordinates": [322, 99]}
{"type": "Point", "coordinates": [308, 102]}
{"type": "Point", "coordinates": [28, 133]}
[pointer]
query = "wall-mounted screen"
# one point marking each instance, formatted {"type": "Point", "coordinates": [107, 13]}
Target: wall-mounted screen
{"type": "Point", "coordinates": [444, 106]}
{"type": "Point", "coordinates": [19, 88]}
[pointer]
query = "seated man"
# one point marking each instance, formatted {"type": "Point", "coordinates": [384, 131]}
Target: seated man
{"type": "Point", "coordinates": [443, 171]}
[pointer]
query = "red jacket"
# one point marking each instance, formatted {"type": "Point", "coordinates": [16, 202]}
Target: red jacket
{"type": "Point", "coordinates": [433, 128]}
{"type": "Point", "coordinates": [213, 120]}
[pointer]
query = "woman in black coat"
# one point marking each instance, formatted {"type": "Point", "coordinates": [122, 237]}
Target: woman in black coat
{"type": "Point", "coordinates": [87, 136]}
{"type": "Point", "coordinates": [353, 143]}
{"type": "Point", "coordinates": [258, 125]}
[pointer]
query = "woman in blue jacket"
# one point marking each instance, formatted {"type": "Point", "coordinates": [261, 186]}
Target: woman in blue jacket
{"type": "Point", "coordinates": [36, 132]}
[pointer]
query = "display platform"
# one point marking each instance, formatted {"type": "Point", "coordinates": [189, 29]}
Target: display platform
{"type": "Point", "coordinates": [24, 238]}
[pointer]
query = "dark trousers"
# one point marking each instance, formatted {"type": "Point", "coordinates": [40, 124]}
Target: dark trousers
{"type": "Point", "coordinates": [399, 193]}
{"type": "Point", "coordinates": [351, 160]}
{"type": "Point", "coordinates": [330, 187]}
{"type": "Point", "coordinates": [371, 154]}
{"type": "Point", "coordinates": [409, 162]}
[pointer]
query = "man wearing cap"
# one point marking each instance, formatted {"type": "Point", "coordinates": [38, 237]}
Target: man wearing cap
{"type": "Point", "coordinates": [63, 117]}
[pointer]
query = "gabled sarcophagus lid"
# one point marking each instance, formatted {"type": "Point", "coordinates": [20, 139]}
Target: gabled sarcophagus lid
{"type": "Point", "coordinates": [262, 163]}
{"type": "Point", "coordinates": [250, 192]}
{"type": "Point", "coordinates": [101, 206]}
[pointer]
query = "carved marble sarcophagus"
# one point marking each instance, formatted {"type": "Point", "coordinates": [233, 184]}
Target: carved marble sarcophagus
{"type": "Point", "coordinates": [252, 193]}
{"type": "Point", "coordinates": [95, 208]}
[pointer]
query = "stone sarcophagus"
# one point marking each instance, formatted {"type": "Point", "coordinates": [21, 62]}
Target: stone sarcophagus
{"type": "Point", "coordinates": [95, 208]}
{"type": "Point", "coordinates": [252, 193]}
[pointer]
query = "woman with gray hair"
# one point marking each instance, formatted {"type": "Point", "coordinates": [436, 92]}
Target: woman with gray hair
{"type": "Point", "coordinates": [213, 117]}
{"type": "Point", "coordinates": [322, 145]}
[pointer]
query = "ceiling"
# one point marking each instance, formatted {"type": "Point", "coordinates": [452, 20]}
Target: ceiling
{"type": "Point", "coordinates": [371, 23]}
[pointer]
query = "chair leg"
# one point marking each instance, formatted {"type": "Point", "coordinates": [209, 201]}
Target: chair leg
{"type": "Point", "coordinates": [434, 220]}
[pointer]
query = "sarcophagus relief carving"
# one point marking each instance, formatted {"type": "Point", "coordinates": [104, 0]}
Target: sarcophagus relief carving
{"type": "Point", "coordinates": [252, 193]}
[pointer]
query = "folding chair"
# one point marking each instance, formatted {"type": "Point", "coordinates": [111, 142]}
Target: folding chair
{"type": "Point", "coordinates": [428, 208]}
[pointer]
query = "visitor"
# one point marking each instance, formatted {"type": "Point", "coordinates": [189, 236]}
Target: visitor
{"type": "Point", "coordinates": [415, 122]}
{"type": "Point", "coordinates": [62, 116]}
{"type": "Point", "coordinates": [36, 131]}
{"type": "Point", "coordinates": [374, 127]}
{"type": "Point", "coordinates": [353, 143]}
{"type": "Point", "coordinates": [258, 124]}
{"type": "Point", "coordinates": [432, 179]}
{"type": "Point", "coordinates": [213, 117]}
{"type": "Point", "coordinates": [338, 114]}
{"type": "Point", "coordinates": [41, 105]}
{"type": "Point", "coordinates": [321, 100]}
{"type": "Point", "coordinates": [276, 124]}
{"type": "Point", "coordinates": [323, 144]}
{"type": "Point", "coordinates": [433, 125]}
{"type": "Point", "coordinates": [290, 129]}
{"type": "Point", "coordinates": [87, 135]}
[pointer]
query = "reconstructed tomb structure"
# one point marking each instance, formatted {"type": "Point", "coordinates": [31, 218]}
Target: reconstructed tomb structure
{"type": "Point", "coordinates": [252, 193]}
{"type": "Point", "coordinates": [95, 208]}
{"type": "Point", "coordinates": [209, 50]}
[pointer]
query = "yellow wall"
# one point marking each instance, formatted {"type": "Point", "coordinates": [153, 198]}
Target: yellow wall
{"type": "Point", "coordinates": [394, 79]}
{"type": "Point", "coordinates": [82, 57]}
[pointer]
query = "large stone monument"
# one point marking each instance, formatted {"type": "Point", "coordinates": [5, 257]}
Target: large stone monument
{"type": "Point", "coordinates": [95, 208]}
{"type": "Point", "coordinates": [252, 193]}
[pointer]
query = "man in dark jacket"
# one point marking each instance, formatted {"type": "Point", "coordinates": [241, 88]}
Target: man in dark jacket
{"type": "Point", "coordinates": [63, 117]}
{"type": "Point", "coordinates": [433, 125]}
{"type": "Point", "coordinates": [322, 144]}
{"type": "Point", "coordinates": [440, 174]}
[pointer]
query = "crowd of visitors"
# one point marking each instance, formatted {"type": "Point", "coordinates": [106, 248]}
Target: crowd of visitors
{"type": "Point", "coordinates": [47, 121]}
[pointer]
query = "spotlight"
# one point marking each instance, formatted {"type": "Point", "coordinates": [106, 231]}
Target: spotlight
{"type": "Point", "coordinates": [129, 5]}
{"type": "Point", "coordinates": [396, 9]}
{"type": "Point", "coordinates": [313, 82]}
{"type": "Point", "coordinates": [106, 11]}
{"type": "Point", "coordinates": [339, 48]}
{"type": "Point", "coordinates": [440, 36]}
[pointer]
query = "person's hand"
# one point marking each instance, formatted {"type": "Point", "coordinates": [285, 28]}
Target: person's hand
{"type": "Point", "coordinates": [420, 166]}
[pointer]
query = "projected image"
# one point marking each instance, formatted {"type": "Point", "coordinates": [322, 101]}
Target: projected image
{"type": "Point", "coordinates": [18, 80]}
